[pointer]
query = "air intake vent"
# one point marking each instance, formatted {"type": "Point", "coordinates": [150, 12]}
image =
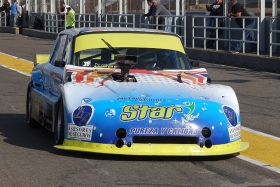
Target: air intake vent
{"type": "Point", "coordinates": [165, 139]}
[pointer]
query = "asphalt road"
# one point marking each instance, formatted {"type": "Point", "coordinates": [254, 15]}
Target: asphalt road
{"type": "Point", "coordinates": [27, 156]}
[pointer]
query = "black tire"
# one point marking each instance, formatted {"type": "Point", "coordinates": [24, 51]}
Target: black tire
{"type": "Point", "coordinates": [30, 121]}
{"type": "Point", "coordinates": [59, 123]}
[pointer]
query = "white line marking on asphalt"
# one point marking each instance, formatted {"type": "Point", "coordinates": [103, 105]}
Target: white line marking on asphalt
{"type": "Point", "coordinates": [258, 163]}
{"type": "Point", "coordinates": [261, 133]}
{"type": "Point", "coordinates": [16, 57]}
{"type": "Point", "coordinates": [16, 70]}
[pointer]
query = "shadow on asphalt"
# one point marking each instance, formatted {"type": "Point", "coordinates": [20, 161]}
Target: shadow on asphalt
{"type": "Point", "coordinates": [16, 132]}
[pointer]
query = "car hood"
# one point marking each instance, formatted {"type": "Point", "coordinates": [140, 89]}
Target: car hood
{"type": "Point", "coordinates": [157, 104]}
{"type": "Point", "coordinates": [150, 86]}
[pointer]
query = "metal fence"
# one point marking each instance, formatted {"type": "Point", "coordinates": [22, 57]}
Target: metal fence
{"type": "Point", "coordinates": [227, 31]}
{"type": "Point", "coordinates": [178, 25]}
{"type": "Point", "coordinates": [3, 19]}
{"type": "Point", "coordinates": [117, 20]}
{"type": "Point", "coordinates": [272, 34]}
{"type": "Point", "coordinates": [195, 28]}
{"type": "Point", "coordinates": [55, 23]}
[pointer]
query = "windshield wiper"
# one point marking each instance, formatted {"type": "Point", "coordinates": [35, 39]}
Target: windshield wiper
{"type": "Point", "coordinates": [110, 47]}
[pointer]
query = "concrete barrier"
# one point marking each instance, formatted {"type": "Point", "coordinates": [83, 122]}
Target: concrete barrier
{"type": "Point", "coordinates": [38, 33]}
{"type": "Point", "coordinates": [249, 61]}
{"type": "Point", "coordinates": [12, 30]}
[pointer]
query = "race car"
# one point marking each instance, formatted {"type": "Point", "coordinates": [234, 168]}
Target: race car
{"type": "Point", "coordinates": [132, 92]}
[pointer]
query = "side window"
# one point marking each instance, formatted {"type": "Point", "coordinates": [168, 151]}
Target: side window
{"type": "Point", "coordinates": [62, 46]}
{"type": "Point", "coordinates": [54, 53]}
{"type": "Point", "coordinates": [59, 49]}
{"type": "Point", "coordinates": [67, 54]}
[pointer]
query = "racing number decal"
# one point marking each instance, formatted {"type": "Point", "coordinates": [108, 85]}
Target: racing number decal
{"type": "Point", "coordinates": [140, 112]}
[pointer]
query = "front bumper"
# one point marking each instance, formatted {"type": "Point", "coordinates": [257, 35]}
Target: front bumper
{"type": "Point", "coordinates": [155, 149]}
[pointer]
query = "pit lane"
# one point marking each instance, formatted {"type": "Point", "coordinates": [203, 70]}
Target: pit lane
{"type": "Point", "coordinates": [29, 159]}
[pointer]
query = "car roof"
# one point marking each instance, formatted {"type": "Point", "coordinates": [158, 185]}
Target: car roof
{"type": "Point", "coordinates": [77, 31]}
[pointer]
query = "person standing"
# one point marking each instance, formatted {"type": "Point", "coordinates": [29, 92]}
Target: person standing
{"type": "Point", "coordinates": [21, 13]}
{"type": "Point", "coordinates": [162, 11]}
{"type": "Point", "coordinates": [63, 10]}
{"type": "Point", "coordinates": [62, 13]}
{"type": "Point", "coordinates": [152, 12]}
{"type": "Point", "coordinates": [216, 9]}
{"type": "Point", "coordinates": [70, 20]}
{"type": "Point", "coordinates": [6, 7]}
{"type": "Point", "coordinates": [14, 13]}
{"type": "Point", "coordinates": [237, 11]}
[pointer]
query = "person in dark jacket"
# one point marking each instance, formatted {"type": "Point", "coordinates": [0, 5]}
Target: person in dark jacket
{"type": "Point", "coordinates": [236, 11]}
{"type": "Point", "coordinates": [6, 7]}
{"type": "Point", "coordinates": [215, 9]}
{"type": "Point", "coordinates": [37, 24]}
{"type": "Point", "coordinates": [62, 13]}
{"type": "Point", "coordinates": [151, 11]}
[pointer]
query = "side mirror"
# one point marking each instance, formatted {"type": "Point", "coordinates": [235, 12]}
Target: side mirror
{"type": "Point", "coordinates": [194, 63]}
{"type": "Point", "coordinates": [59, 63]}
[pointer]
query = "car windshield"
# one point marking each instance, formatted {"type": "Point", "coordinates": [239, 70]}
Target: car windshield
{"type": "Point", "coordinates": [148, 58]}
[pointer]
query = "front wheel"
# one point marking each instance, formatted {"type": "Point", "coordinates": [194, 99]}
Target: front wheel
{"type": "Point", "coordinates": [59, 123]}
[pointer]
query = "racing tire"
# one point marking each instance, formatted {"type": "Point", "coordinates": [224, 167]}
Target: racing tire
{"type": "Point", "coordinates": [59, 123]}
{"type": "Point", "coordinates": [32, 123]}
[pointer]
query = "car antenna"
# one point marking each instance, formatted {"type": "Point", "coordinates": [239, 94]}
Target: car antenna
{"type": "Point", "coordinates": [110, 47]}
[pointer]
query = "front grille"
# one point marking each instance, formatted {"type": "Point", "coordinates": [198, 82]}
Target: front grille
{"type": "Point", "coordinates": [165, 139]}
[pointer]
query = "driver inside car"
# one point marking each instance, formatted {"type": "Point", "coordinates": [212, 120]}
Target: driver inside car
{"type": "Point", "coordinates": [148, 58]}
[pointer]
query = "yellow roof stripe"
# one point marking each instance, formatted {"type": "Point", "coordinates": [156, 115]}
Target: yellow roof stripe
{"type": "Point", "coordinates": [117, 40]}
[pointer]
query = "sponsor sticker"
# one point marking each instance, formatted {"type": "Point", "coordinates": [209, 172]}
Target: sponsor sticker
{"type": "Point", "coordinates": [87, 63]}
{"type": "Point", "coordinates": [142, 99]}
{"type": "Point", "coordinates": [86, 100]}
{"type": "Point", "coordinates": [110, 65]}
{"type": "Point", "coordinates": [141, 112]}
{"type": "Point", "coordinates": [231, 115]}
{"type": "Point", "coordinates": [234, 132]}
{"type": "Point", "coordinates": [79, 133]}
{"type": "Point", "coordinates": [83, 114]}
{"type": "Point", "coordinates": [162, 131]}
